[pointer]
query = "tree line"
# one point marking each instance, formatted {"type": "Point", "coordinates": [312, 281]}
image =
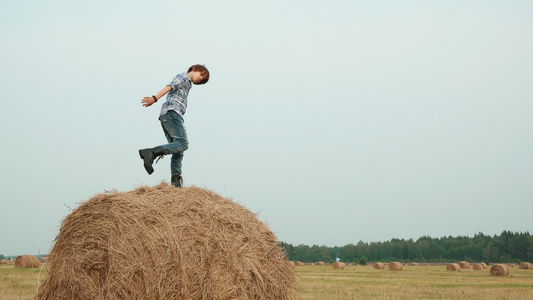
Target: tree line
{"type": "Point", "coordinates": [508, 247]}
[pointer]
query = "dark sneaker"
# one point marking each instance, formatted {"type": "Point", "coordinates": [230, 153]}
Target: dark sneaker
{"type": "Point", "coordinates": [177, 180]}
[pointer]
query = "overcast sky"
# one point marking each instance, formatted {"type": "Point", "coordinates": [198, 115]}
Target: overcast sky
{"type": "Point", "coordinates": [337, 121]}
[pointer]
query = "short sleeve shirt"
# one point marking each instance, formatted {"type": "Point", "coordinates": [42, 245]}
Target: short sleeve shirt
{"type": "Point", "coordinates": [177, 97]}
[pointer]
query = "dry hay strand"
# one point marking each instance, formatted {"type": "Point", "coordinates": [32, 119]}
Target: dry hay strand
{"type": "Point", "coordinates": [164, 242]}
{"type": "Point", "coordinates": [453, 267]}
{"type": "Point", "coordinates": [413, 264]}
{"type": "Point", "coordinates": [464, 264]}
{"type": "Point", "coordinates": [339, 265]}
{"type": "Point", "coordinates": [379, 265]}
{"type": "Point", "coordinates": [395, 266]}
{"type": "Point", "coordinates": [525, 265]}
{"type": "Point", "coordinates": [3, 261]}
{"type": "Point", "coordinates": [320, 263]}
{"type": "Point", "coordinates": [478, 267]}
{"type": "Point", "coordinates": [499, 270]}
{"type": "Point", "coordinates": [27, 261]}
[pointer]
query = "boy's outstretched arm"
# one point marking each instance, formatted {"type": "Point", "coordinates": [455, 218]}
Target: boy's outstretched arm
{"type": "Point", "coordinates": [147, 101]}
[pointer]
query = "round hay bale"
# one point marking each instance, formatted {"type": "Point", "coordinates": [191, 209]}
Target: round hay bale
{"type": "Point", "coordinates": [478, 267]}
{"type": "Point", "coordinates": [165, 242]}
{"type": "Point", "coordinates": [453, 267]}
{"type": "Point", "coordinates": [320, 263]}
{"type": "Point", "coordinates": [379, 265]}
{"type": "Point", "coordinates": [27, 261]}
{"type": "Point", "coordinates": [413, 264]}
{"type": "Point", "coordinates": [499, 270]}
{"type": "Point", "coordinates": [525, 265]}
{"type": "Point", "coordinates": [395, 266]}
{"type": "Point", "coordinates": [464, 264]}
{"type": "Point", "coordinates": [484, 265]}
{"type": "Point", "coordinates": [511, 265]}
{"type": "Point", "coordinates": [292, 264]}
{"type": "Point", "coordinates": [299, 264]}
{"type": "Point", "coordinates": [339, 265]}
{"type": "Point", "coordinates": [3, 261]}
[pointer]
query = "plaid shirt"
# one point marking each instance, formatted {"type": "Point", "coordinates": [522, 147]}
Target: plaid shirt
{"type": "Point", "coordinates": [177, 97]}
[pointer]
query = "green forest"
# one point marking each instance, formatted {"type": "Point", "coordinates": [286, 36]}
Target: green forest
{"type": "Point", "coordinates": [508, 247]}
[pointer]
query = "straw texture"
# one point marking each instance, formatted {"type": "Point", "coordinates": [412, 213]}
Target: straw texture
{"type": "Point", "coordinates": [464, 264]}
{"type": "Point", "coordinates": [499, 270]}
{"type": "Point", "coordinates": [164, 242]}
{"type": "Point", "coordinates": [395, 266]}
{"type": "Point", "coordinates": [379, 265]}
{"type": "Point", "coordinates": [27, 261]}
{"type": "Point", "coordinates": [453, 267]}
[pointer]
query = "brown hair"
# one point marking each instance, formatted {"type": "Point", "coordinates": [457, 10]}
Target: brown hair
{"type": "Point", "coordinates": [203, 70]}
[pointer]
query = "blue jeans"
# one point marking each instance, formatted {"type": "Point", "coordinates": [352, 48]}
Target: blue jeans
{"type": "Point", "coordinates": [176, 136]}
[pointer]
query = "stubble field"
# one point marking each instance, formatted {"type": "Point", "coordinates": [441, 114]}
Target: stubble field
{"type": "Point", "coordinates": [354, 282]}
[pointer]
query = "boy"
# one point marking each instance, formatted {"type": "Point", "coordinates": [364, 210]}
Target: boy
{"type": "Point", "coordinates": [171, 118]}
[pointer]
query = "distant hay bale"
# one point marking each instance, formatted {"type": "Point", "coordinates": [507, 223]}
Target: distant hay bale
{"type": "Point", "coordinates": [395, 266]}
{"type": "Point", "coordinates": [165, 242]}
{"type": "Point", "coordinates": [464, 264]}
{"type": "Point", "coordinates": [27, 261]}
{"type": "Point", "coordinates": [484, 265]}
{"type": "Point", "coordinates": [320, 263]}
{"type": "Point", "coordinates": [453, 267]}
{"type": "Point", "coordinates": [339, 265]}
{"type": "Point", "coordinates": [511, 265]}
{"type": "Point", "coordinates": [299, 264]}
{"type": "Point", "coordinates": [478, 267]}
{"type": "Point", "coordinates": [413, 264]}
{"type": "Point", "coordinates": [292, 264]}
{"type": "Point", "coordinates": [525, 265]}
{"type": "Point", "coordinates": [379, 265]}
{"type": "Point", "coordinates": [499, 270]}
{"type": "Point", "coordinates": [3, 261]}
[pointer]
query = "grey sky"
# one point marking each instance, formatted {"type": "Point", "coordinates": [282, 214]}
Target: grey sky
{"type": "Point", "coordinates": [337, 121]}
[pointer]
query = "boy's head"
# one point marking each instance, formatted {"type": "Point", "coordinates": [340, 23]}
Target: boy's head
{"type": "Point", "coordinates": [198, 74]}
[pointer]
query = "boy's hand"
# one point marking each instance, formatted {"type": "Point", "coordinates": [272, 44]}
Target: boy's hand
{"type": "Point", "coordinates": [147, 101]}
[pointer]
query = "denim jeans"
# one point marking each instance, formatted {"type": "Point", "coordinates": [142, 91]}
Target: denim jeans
{"type": "Point", "coordinates": [176, 136]}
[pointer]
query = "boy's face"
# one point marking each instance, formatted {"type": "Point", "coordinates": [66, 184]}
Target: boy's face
{"type": "Point", "coordinates": [196, 77]}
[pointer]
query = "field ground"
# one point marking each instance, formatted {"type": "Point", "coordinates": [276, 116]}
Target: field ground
{"type": "Point", "coordinates": [354, 282]}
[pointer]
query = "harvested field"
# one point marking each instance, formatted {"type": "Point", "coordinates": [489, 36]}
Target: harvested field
{"type": "Point", "coordinates": [423, 282]}
{"type": "Point", "coordinates": [353, 282]}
